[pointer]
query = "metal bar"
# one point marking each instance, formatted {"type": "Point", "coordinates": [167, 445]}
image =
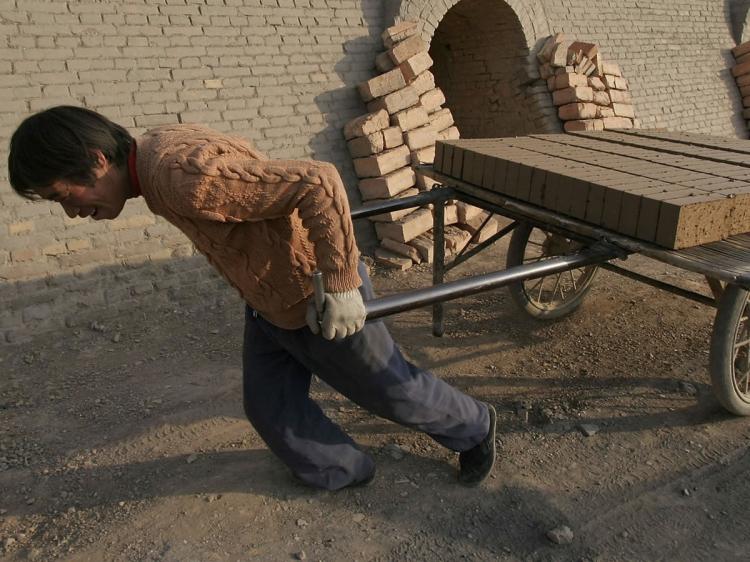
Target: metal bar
{"type": "Point", "coordinates": [692, 295]}
{"type": "Point", "coordinates": [438, 266]}
{"type": "Point", "coordinates": [409, 300]}
{"type": "Point", "coordinates": [461, 258]}
{"type": "Point", "coordinates": [716, 287]}
{"type": "Point", "coordinates": [476, 233]}
{"type": "Point", "coordinates": [424, 198]}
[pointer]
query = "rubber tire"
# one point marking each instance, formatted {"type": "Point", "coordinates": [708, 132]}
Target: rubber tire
{"type": "Point", "coordinates": [516, 250]}
{"type": "Point", "coordinates": [721, 357]}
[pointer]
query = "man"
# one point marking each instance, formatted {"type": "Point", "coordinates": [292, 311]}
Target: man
{"type": "Point", "coordinates": [266, 226]}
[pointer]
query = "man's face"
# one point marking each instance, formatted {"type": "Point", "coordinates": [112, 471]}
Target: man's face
{"type": "Point", "coordinates": [104, 200]}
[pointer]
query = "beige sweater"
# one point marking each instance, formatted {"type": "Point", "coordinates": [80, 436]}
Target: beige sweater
{"type": "Point", "coordinates": [265, 225]}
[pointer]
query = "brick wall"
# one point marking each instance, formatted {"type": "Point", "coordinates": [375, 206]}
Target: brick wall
{"type": "Point", "coordinates": [282, 73]}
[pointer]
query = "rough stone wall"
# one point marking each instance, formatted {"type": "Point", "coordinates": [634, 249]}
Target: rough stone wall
{"type": "Point", "coordinates": [279, 72]}
{"type": "Point", "coordinates": [282, 73]}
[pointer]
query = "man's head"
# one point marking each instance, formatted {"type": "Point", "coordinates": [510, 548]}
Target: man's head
{"type": "Point", "coordinates": [73, 156]}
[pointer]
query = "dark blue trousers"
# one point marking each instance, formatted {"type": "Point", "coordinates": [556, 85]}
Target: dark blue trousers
{"type": "Point", "coordinates": [367, 368]}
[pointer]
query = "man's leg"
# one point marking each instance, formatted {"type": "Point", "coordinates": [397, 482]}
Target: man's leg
{"type": "Point", "coordinates": [277, 403]}
{"type": "Point", "coordinates": [368, 368]}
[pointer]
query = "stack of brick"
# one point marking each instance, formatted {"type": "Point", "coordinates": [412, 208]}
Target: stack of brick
{"type": "Point", "coordinates": [590, 94]}
{"type": "Point", "coordinates": [741, 73]}
{"type": "Point", "coordinates": [406, 117]}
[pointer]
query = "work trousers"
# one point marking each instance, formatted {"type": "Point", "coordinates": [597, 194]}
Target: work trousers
{"type": "Point", "coordinates": [367, 368]}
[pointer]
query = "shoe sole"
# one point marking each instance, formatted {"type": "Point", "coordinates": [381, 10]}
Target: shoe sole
{"type": "Point", "coordinates": [490, 435]}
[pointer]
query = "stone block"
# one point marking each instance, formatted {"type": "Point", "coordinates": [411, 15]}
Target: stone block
{"type": "Point", "coordinates": [393, 137]}
{"type": "Point", "coordinates": [406, 49]}
{"type": "Point", "coordinates": [425, 246]}
{"type": "Point", "coordinates": [408, 228]}
{"type": "Point", "coordinates": [451, 133]}
{"type": "Point", "coordinates": [584, 125]}
{"type": "Point", "coordinates": [602, 112]}
{"type": "Point", "coordinates": [425, 183]}
{"type": "Point", "coordinates": [456, 238]}
{"type": "Point", "coordinates": [392, 259]}
{"type": "Point", "coordinates": [576, 111]}
{"type": "Point", "coordinates": [383, 163]}
{"type": "Point", "coordinates": [416, 65]}
{"type": "Point", "coordinates": [602, 98]}
{"type": "Point", "coordinates": [424, 82]}
{"type": "Point", "coordinates": [411, 118]}
{"type": "Point", "coordinates": [366, 124]}
{"type": "Point", "coordinates": [623, 110]}
{"type": "Point", "coordinates": [387, 185]}
{"type": "Point", "coordinates": [382, 85]}
{"type": "Point", "coordinates": [365, 146]}
{"type": "Point", "coordinates": [398, 32]}
{"type": "Point", "coordinates": [420, 137]}
{"type": "Point", "coordinates": [441, 120]}
{"type": "Point", "coordinates": [432, 100]}
{"type": "Point", "coordinates": [571, 95]}
{"type": "Point", "coordinates": [559, 56]}
{"type": "Point", "coordinates": [424, 155]}
{"type": "Point", "coordinates": [383, 62]}
{"type": "Point", "coordinates": [392, 216]}
{"type": "Point", "coordinates": [467, 212]}
{"type": "Point", "coordinates": [450, 214]}
{"type": "Point", "coordinates": [596, 83]}
{"type": "Point", "coordinates": [617, 123]}
{"type": "Point", "coordinates": [621, 96]}
{"type": "Point", "coordinates": [572, 80]}
{"type": "Point", "coordinates": [395, 101]}
{"type": "Point", "coordinates": [404, 250]}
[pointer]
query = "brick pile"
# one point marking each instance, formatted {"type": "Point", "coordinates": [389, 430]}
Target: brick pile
{"type": "Point", "coordinates": [405, 118]}
{"type": "Point", "coordinates": [590, 94]}
{"type": "Point", "coordinates": [741, 73]}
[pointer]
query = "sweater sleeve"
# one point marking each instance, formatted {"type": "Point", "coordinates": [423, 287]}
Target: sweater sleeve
{"type": "Point", "coordinates": [238, 188]}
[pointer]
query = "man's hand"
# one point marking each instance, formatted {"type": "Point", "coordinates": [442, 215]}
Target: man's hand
{"type": "Point", "coordinates": [343, 315]}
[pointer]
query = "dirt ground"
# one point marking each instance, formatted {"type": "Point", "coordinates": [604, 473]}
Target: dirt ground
{"type": "Point", "coordinates": [127, 441]}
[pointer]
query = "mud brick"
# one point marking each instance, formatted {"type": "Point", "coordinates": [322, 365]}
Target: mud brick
{"type": "Point", "coordinates": [551, 81]}
{"type": "Point", "coordinates": [420, 137]}
{"type": "Point", "coordinates": [406, 49]}
{"type": "Point", "coordinates": [559, 56]}
{"type": "Point", "coordinates": [611, 211]}
{"type": "Point", "coordinates": [617, 123]}
{"type": "Point", "coordinates": [467, 212]}
{"type": "Point", "coordinates": [382, 85]}
{"type": "Point", "coordinates": [450, 215]}
{"type": "Point", "coordinates": [432, 100]}
{"type": "Point", "coordinates": [621, 83]}
{"type": "Point", "coordinates": [523, 183]}
{"type": "Point", "coordinates": [584, 125]}
{"type": "Point", "coordinates": [610, 82]}
{"type": "Point", "coordinates": [451, 133]}
{"type": "Point", "coordinates": [411, 118]}
{"type": "Point", "coordinates": [602, 98]}
{"type": "Point", "coordinates": [366, 124]}
{"type": "Point", "coordinates": [536, 188]}
{"type": "Point", "coordinates": [578, 194]}
{"type": "Point", "coordinates": [396, 101]}
{"type": "Point", "coordinates": [490, 228]}
{"type": "Point", "coordinates": [383, 62]}
{"type": "Point", "coordinates": [623, 110]}
{"type": "Point", "coordinates": [387, 185]}
{"type": "Point", "coordinates": [393, 137]}
{"type": "Point", "coordinates": [746, 101]}
{"type": "Point", "coordinates": [446, 163]}
{"type": "Point", "coordinates": [571, 95]}
{"type": "Point", "coordinates": [398, 32]}
{"type": "Point", "coordinates": [383, 163]}
{"type": "Point", "coordinates": [425, 246]}
{"type": "Point", "coordinates": [604, 112]}
{"type": "Point", "coordinates": [404, 250]}
{"type": "Point", "coordinates": [596, 84]}
{"type": "Point", "coordinates": [595, 203]}
{"type": "Point", "coordinates": [392, 216]}
{"type": "Point", "coordinates": [411, 226]}
{"type": "Point", "coordinates": [456, 238]}
{"type": "Point", "coordinates": [488, 172]}
{"type": "Point", "coordinates": [575, 111]}
{"type": "Point", "coordinates": [741, 49]}
{"type": "Point", "coordinates": [511, 179]}
{"type": "Point", "coordinates": [745, 91]}
{"type": "Point", "coordinates": [563, 81]}
{"type": "Point", "coordinates": [619, 96]}
{"type": "Point", "coordinates": [424, 82]}
{"type": "Point", "coordinates": [424, 155]}
{"type": "Point", "coordinates": [545, 53]}
{"type": "Point", "coordinates": [457, 164]}
{"type": "Point", "coordinates": [441, 119]}
{"type": "Point", "coordinates": [690, 221]}
{"type": "Point", "coordinates": [416, 65]}
{"type": "Point", "coordinates": [743, 58]}
{"type": "Point", "coordinates": [630, 210]}
{"type": "Point", "coordinates": [648, 216]}
{"type": "Point", "coordinates": [367, 145]}
{"type": "Point", "coordinates": [552, 183]}
{"type": "Point", "coordinates": [392, 259]}
{"type": "Point", "coordinates": [546, 71]}
{"type": "Point", "coordinates": [743, 80]}
{"type": "Point", "coordinates": [467, 168]}
{"type": "Point", "coordinates": [611, 68]}
{"type": "Point", "coordinates": [741, 69]}
{"type": "Point", "coordinates": [425, 182]}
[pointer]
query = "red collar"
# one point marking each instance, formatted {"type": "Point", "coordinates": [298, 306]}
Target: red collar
{"type": "Point", "coordinates": [134, 183]}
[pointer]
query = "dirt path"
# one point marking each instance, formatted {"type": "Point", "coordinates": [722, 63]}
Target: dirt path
{"type": "Point", "coordinates": [128, 442]}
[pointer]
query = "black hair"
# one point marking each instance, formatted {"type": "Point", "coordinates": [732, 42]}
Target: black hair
{"type": "Point", "coordinates": [57, 144]}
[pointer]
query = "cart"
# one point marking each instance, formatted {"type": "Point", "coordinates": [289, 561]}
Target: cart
{"type": "Point", "coordinates": [552, 261]}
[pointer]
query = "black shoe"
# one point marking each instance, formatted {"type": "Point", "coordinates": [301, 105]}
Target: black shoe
{"type": "Point", "coordinates": [476, 463]}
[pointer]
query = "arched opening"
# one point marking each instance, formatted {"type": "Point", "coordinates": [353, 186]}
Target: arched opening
{"type": "Point", "coordinates": [480, 54]}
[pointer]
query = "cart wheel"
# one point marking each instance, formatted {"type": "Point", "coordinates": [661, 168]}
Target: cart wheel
{"type": "Point", "coordinates": [553, 296]}
{"type": "Point", "coordinates": [730, 352]}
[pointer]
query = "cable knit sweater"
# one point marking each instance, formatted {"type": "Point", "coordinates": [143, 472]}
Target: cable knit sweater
{"type": "Point", "coordinates": [265, 225]}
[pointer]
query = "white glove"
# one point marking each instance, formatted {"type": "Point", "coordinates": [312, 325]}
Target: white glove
{"type": "Point", "coordinates": [343, 315]}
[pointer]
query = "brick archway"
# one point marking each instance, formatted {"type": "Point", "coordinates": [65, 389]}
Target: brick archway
{"type": "Point", "coordinates": [484, 63]}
